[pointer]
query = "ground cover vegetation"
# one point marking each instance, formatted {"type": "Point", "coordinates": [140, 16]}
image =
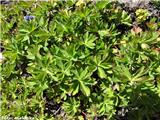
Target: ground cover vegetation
{"type": "Point", "coordinates": [90, 60]}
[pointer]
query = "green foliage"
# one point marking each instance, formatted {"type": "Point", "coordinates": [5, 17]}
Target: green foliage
{"type": "Point", "coordinates": [142, 15]}
{"type": "Point", "coordinates": [74, 55]}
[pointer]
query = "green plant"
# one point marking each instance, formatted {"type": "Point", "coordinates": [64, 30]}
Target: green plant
{"type": "Point", "coordinates": [70, 60]}
{"type": "Point", "coordinates": [142, 15]}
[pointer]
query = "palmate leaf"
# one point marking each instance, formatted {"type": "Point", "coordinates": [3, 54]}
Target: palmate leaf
{"type": "Point", "coordinates": [102, 4]}
{"type": "Point", "coordinates": [84, 74]}
{"type": "Point", "coordinates": [85, 89]}
{"type": "Point", "coordinates": [89, 40]}
{"type": "Point", "coordinates": [8, 69]}
{"type": "Point", "coordinates": [40, 87]}
{"type": "Point", "coordinates": [126, 19]}
{"type": "Point", "coordinates": [99, 64]}
{"type": "Point", "coordinates": [103, 33]}
{"type": "Point", "coordinates": [63, 69]}
{"type": "Point", "coordinates": [141, 75]}
{"type": "Point", "coordinates": [101, 72]}
{"type": "Point", "coordinates": [71, 106]}
{"type": "Point", "coordinates": [90, 44]}
{"type": "Point", "coordinates": [105, 65]}
{"type": "Point", "coordinates": [82, 77]}
{"type": "Point", "coordinates": [68, 53]}
{"type": "Point", "coordinates": [33, 52]}
{"type": "Point", "coordinates": [51, 74]}
{"type": "Point", "coordinates": [81, 74]}
{"type": "Point", "coordinates": [25, 31]}
{"type": "Point", "coordinates": [75, 88]}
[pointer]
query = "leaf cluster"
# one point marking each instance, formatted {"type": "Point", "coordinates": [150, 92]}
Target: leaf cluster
{"type": "Point", "coordinates": [78, 60]}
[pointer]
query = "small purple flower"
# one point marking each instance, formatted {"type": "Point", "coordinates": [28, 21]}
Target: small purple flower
{"type": "Point", "coordinates": [29, 17]}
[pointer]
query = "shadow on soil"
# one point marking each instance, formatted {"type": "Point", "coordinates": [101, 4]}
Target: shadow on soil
{"type": "Point", "coordinates": [144, 105]}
